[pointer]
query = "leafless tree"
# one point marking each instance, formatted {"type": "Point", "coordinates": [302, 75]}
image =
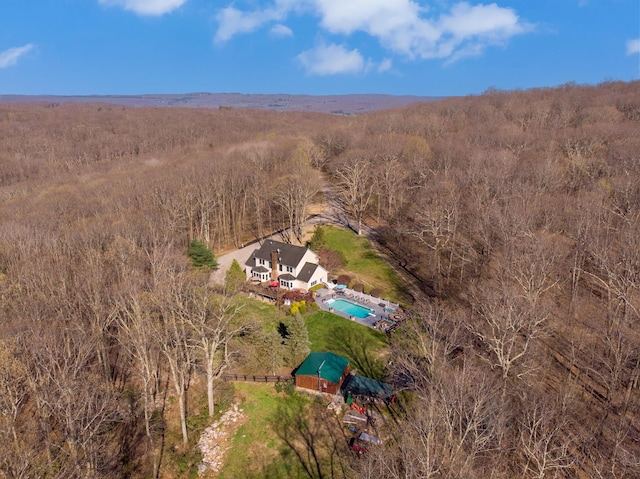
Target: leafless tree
{"type": "Point", "coordinates": [293, 196]}
{"type": "Point", "coordinates": [508, 326]}
{"type": "Point", "coordinates": [355, 183]}
{"type": "Point", "coordinates": [75, 401]}
{"type": "Point", "coordinates": [175, 338]}
{"type": "Point", "coordinates": [427, 341]}
{"type": "Point", "coordinates": [214, 325]}
{"type": "Point", "coordinates": [545, 438]}
{"type": "Point", "coordinates": [137, 325]}
{"type": "Point", "coordinates": [391, 177]}
{"type": "Point", "coordinates": [14, 389]}
{"type": "Point", "coordinates": [450, 429]}
{"type": "Point", "coordinates": [435, 225]}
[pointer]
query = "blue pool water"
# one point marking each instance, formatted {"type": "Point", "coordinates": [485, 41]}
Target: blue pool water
{"type": "Point", "coordinates": [350, 308]}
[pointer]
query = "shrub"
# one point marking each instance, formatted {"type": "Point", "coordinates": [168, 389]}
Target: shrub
{"type": "Point", "coordinates": [293, 295]}
{"type": "Point", "coordinates": [201, 256]}
{"type": "Point", "coordinates": [317, 241]}
{"type": "Point", "coordinates": [344, 279]}
{"type": "Point", "coordinates": [377, 292]}
{"type": "Point", "coordinates": [359, 287]}
{"type": "Point", "coordinates": [331, 260]}
{"type": "Point", "coordinates": [298, 307]}
{"type": "Point", "coordinates": [235, 277]}
{"type": "Point", "coordinates": [288, 387]}
{"type": "Point", "coordinates": [224, 393]}
{"type": "Point", "coordinates": [297, 343]}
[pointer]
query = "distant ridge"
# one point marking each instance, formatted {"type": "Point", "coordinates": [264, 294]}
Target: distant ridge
{"type": "Point", "coordinates": [336, 104]}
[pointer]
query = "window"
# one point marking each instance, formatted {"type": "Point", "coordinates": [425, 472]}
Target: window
{"type": "Point", "coordinates": [261, 276]}
{"type": "Point", "coordinates": [261, 261]}
{"type": "Point", "coordinates": [313, 283]}
{"type": "Point", "coordinates": [289, 269]}
{"type": "Point", "coordinates": [280, 267]}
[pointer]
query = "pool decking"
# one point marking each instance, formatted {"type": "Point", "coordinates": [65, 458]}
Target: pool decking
{"type": "Point", "coordinates": [380, 313]}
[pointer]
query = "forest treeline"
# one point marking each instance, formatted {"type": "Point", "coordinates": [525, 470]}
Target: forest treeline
{"type": "Point", "coordinates": [517, 213]}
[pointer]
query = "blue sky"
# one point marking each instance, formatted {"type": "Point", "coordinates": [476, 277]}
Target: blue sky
{"type": "Point", "coordinates": [318, 47]}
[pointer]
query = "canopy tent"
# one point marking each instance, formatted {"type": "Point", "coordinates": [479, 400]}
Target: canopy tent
{"type": "Point", "coordinates": [364, 386]}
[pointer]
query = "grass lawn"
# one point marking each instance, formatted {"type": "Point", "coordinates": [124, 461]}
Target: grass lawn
{"type": "Point", "coordinates": [262, 312]}
{"type": "Point", "coordinates": [366, 348]}
{"type": "Point", "coordinates": [364, 265]}
{"type": "Point", "coordinates": [256, 309]}
{"type": "Point", "coordinates": [257, 451]}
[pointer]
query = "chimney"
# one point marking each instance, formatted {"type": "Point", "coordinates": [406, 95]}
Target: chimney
{"type": "Point", "coordinates": [274, 265]}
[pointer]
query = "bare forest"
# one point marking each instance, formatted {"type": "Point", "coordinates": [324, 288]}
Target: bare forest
{"type": "Point", "coordinates": [514, 218]}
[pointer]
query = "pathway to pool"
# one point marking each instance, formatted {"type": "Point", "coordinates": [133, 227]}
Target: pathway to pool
{"type": "Point", "coordinates": [365, 309]}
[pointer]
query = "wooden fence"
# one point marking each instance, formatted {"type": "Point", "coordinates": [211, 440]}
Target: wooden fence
{"type": "Point", "coordinates": [256, 378]}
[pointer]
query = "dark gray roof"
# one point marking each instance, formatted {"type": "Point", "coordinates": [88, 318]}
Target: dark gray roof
{"type": "Point", "coordinates": [289, 255]}
{"type": "Point", "coordinates": [364, 386]}
{"type": "Point", "coordinates": [261, 269]}
{"type": "Point", "coordinates": [307, 271]}
{"type": "Point", "coordinates": [287, 277]}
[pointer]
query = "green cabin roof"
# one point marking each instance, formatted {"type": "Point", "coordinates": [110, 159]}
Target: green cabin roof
{"type": "Point", "coordinates": [331, 366]}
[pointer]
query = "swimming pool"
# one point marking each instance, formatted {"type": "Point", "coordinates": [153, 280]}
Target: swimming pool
{"type": "Point", "coordinates": [350, 308]}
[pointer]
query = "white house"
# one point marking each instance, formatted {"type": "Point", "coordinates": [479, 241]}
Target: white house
{"type": "Point", "coordinates": [293, 267]}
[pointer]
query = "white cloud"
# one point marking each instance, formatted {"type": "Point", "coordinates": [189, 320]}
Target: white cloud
{"type": "Point", "coordinates": [331, 60]}
{"type": "Point", "coordinates": [633, 47]}
{"type": "Point", "coordinates": [466, 21]}
{"type": "Point", "coordinates": [385, 65]}
{"type": "Point", "coordinates": [10, 57]}
{"type": "Point", "coordinates": [233, 22]}
{"type": "Point", "coordinates": [376, 17]}
{"type": "Point", "coordinates": [404, 27]}
{"type": "Point", "coordinates": [146, 7]}
{"type": "Point", "coordinates": [280, 30]}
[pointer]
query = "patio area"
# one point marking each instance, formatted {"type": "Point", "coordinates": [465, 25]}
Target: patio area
{"type": "Point", "coordinates": [378, 313]}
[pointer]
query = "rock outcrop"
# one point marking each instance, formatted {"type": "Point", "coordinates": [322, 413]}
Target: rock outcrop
{"type": "Point", "coordinates": [216, 439]}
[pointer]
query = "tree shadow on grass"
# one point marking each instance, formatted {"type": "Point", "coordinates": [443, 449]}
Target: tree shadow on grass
{"type": "Point", "coordinates": [285, 466]}
{"type": "Point", "coordinates": [314, 444]}
{"type": "Point", "coordinates": [349, 343]}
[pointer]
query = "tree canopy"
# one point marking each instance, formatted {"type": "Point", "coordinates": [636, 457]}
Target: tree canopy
{"type": "Point", "coordinates": [201, 255]}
